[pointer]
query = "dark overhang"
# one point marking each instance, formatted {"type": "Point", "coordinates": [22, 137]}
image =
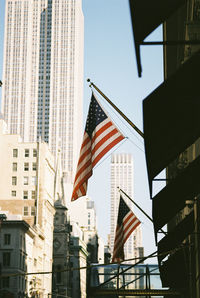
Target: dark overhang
{"type": "Point", "coordinates": [146, 16]}
{"type": "Point", "coordinates": [174, 271]}
{"type": "Point", "coordinates": [174, 239]}
{"type": "Point", "coordinates": [171, 199]}
{"type": "Point", "coordinates": [171, 117]}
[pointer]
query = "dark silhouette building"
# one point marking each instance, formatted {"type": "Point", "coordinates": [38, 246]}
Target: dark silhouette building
{"type": "Point", "coordinates": [60, 278]}
{"type": "Point", "coordinates": [172, 137]}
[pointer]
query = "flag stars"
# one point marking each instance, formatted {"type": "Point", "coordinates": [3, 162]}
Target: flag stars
{"type": "Point", "coordinates": [95, 116]}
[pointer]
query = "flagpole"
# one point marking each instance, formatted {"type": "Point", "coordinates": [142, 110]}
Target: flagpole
{"type": "Point", "coordinates": [116, 108]}
{"type": "Point", "coordinates": [139, 208]}
{"type": "Point", "coordinates": [136, 205]}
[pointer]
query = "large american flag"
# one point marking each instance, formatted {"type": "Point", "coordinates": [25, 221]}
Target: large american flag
{"type": "Point", "coordinates": [99, 137]}
{"type": "Point", "coordinates": [127, 222]}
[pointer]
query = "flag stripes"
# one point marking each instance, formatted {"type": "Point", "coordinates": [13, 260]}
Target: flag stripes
{"type": "Point", "coordinates": [100, 136]}
{"type": "Point", "coordinates": [127, 222]}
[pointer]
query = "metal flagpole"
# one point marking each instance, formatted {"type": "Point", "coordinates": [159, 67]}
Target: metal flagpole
{"type": "Point", "coordinates": [116, 108]}
{"type": "Point", "coordinates": [139, 208]}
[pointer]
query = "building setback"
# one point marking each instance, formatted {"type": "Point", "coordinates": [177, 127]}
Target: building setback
{"type": "Point", "coordinates": [43, 74]}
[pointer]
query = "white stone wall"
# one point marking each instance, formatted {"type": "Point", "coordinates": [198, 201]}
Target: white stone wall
{"type": "Point", "coordinates": [39, 255]}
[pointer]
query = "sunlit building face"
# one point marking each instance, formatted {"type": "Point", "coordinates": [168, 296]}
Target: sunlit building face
{"type": "Point", "coordinates": [43, 74]}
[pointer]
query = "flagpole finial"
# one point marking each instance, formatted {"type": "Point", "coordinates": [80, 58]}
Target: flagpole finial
{"type": "Point", "coordinates": [88, 80]}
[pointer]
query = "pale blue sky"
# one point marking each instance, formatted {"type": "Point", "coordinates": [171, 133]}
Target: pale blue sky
{"type": "Point", "coordinates": [109, 61]}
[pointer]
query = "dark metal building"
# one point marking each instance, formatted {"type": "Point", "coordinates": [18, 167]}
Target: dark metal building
{"type": "Point", "coordinates": [172, 137]}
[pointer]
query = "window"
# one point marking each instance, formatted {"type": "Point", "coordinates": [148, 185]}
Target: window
{"type": "Point", "coordinates": [34, 180]}
{"type": "Point", "coordinates": [58, 275]}
{"type": "Point", "coordinates": [15, 152]}
{"type": "Point", "coordinates": [26, 166]}
{"type": "Point", "coordinates": [33, 211]}
{"type": "Point", "coordinates": [6, 259]}
{"type": "Point", "coordinates": [25, 211]}
{"type": "Point", "coordinates": [6, 239]}
{"type": "Point", "coordinates": [25, 180]}
{"type": "Point", "coordinates": [13, 193]}
{"type": "Point", "coordinates": [26, 153]}
{"type": "Point", "coordinates": [25, 195]}
{"type": "Point", "coordinates": [14, 166]}
{"type": "Point", "coordinates": [20, 260]}
{"type": "Point", "coordinates": [5, 282]}
{"type": "Point", "coordinates": [14, 180]}
{"type": "Point", "coordinates": [34, 152]}
{"type": "Point", "coordinates": [33, 195]}
{"type": "Point", "coordinates": [34, 167]}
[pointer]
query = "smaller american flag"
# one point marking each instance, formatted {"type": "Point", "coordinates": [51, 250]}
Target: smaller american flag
{"type": "Point", "coordinates": [127, 222]}
{"type": "Point", "coordinates": [100, 136]}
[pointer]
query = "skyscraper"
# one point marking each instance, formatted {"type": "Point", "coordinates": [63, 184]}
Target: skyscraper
{"type": "Point", "coordinates": [43, 74]}
{"type": "Point", "coordinates": [122, 176]}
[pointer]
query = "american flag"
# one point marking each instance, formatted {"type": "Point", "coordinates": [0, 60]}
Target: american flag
{"type": "Point", "coordinates": [100, 136]}
{"type": "Point", "coordinates": [127, 222]}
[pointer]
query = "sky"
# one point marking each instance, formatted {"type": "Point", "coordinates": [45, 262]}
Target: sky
{"type": "Point", "coordinates": [109, 62]}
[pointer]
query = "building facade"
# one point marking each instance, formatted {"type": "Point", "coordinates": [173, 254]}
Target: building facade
{"type": "Point", "coordinates": [122, 176]}
{"type": "Point", "coordinates": [43, 74]}
{"type": "Point", "coordinates": [61, 254]}
{"type": "Point", "coordinates": [14, 236]}
{"type": "Point", "coordinates": [83, 212]}
{"type": "Point", "coordinates": [27, 192]}
{"type": "Point", "coordinates": [78, 262]}
{"type": "Point", "coordinates": [172, 140]}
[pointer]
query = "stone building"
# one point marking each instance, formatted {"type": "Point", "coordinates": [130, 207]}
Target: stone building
{"type": "Point", "coordinates": [78, 264]}
{"type": "Point", "coordinates": [61, 253]}
{"type": "Point", "coordinates": [27, 192]}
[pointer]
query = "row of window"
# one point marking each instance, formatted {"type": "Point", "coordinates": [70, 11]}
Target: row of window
{"type": "Point", "coordinates": [7, 240]}
{"type": "Point", "coordinates": [25, 180]}
{"type": "Point", "coordinates": [7, 259]}
{"type": "Point", "coordinates": [26, 166]}
{"type": "Point", "coordinates": [29, 211]}
{"type": "Point", "coordinates": [5, 282]}
{"type": "Point", "coordinates": [27, 152]}
{"type": "Point", "coordinates": [26, 194]}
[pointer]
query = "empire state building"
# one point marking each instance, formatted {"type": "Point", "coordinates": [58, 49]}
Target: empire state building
{"type": "Point", "coordinates": [42, 90]}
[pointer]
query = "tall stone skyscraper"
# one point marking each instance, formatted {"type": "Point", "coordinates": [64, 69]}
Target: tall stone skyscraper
{"type": "Point", "coordinates": [43, 74]}
{"type": "Point", "coordinates": [122, 176]}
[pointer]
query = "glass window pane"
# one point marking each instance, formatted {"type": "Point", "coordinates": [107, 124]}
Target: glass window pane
{"type": "Point", "coordinates": [25, 195]}
{"type": "Point", "coordinates": [14, 166]}
{"type": "Point", "coordinates": [25, 180]}
{"type": "Point", "coordinates": [26, 153]}
{"type": "Point", "coordinates": [14, 180]}
{"type": "Point", "coordinates": [25, 211]}
{"type": "Point", "coordinates": [15, 152]}
{"type": "Point", "coordinates": [26, 166]}
{"type": "Point", "coordinates": [13, 193]}
{"type": "Point", "coordinates": [34, 152]}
